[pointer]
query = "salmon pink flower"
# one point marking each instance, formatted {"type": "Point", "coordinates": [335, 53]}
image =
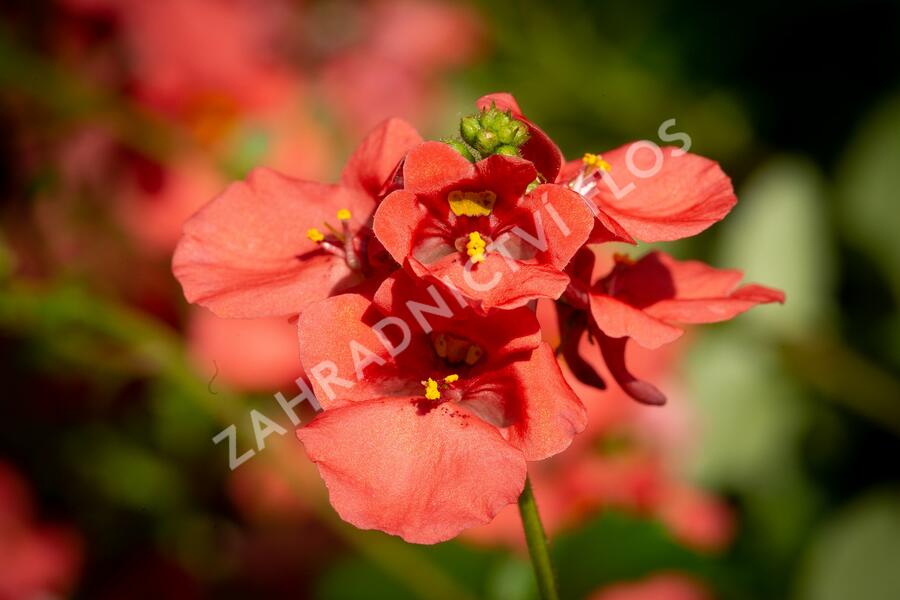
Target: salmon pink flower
{"type": "Point", "coordinates": [644, 301]}
{"type": "Point", "coordinates": [656, 194]}
{"type": "Point", "coordinates": [271, 244]}
{"type": "Point", "coordinates": [668, 586]}
{"type": "Point", "coordinates": [477, 228]}
{"type": "Point", "coordinates": [426, 432]}
{"type": "Point", "coordinates": [39, 560]}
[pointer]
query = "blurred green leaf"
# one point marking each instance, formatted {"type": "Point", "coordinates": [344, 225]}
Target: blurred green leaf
{"type": "Point", "coordinates": [127, 473]}
{"type": "Point", "coordinates": [617, 547]}
{"type": "Point", "coordinates": [856, 555]}
{"type": "Point", "coordinates": [868, 183]}
{"type": "Point", "coordinates": [354, 578]}
{"type": "Point", "coordinates": [778, 235]}
{"type": "Point", "coordinates": [512, 579]}
{"type": "Point", "coordinates": [748, 410]}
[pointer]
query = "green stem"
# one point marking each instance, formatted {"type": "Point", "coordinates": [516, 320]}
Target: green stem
{"type": "Point", "coordinates": [537, 544]}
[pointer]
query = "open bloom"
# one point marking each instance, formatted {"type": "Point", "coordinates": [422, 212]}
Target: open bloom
{"type": "Point", "coordinates": [271, 244]}
{"type": "Point", "coordinates": [431, 410]}
{"type": "Point", "coordinates": [645, 300]}
{"type": "Point", "coordinates": [655, 194]}
{"type": "Point", "coordinates": [477, 228]}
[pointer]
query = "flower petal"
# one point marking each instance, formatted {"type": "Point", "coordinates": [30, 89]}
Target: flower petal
{"type": "Point", "coordinates": [546, 413]}
{"type": "Point", "coordinates": [618, 320]}
{"type": "Point", "coordinates": [685, 196]}
{"type": "Point", "coordinates": [424, 475]}
{"type": "Point", "coordinates": [337, 333]}
{"type": "Point", "coordinates": [246, 255]}
{"type": "Point", "coordinates": [613, 350]}
{"type": "Point", "coordinates": [504, 332]}
{"type": "Point", "coordinates": [687, 291]}
{"type": "Point", "coordinates": [434, 167]}
{"type": "Point", "coordinates": [506, 176]}
{"type": "Point", "coordinates": [539, 149]}
{"type": "Point", "coordinates": [493, 283]}
{"type": "Point", "coordinates": [378, 155]}
{"type": "Point", "coordinates": [553, 215]}
{"type": "Point", "coordinates": [396, 222]}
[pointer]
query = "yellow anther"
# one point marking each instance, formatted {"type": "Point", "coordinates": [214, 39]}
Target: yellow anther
{"type": "Point", "coordinates": [451, 378]}
{"type": "Point", "coordinates": [473, 354]}
{"type": "Point", "coordinates": [622, 259]}
{"type": "Point", "coordinates": [475, 247]}
{"type": "Point", "coordinates": [471, 204]}
{"type": "Point", "coordinates": [343, 215]}
{"type": "Point", "coordinates": [595, 160]}
{"type": "Point", "coordinates": [314, 235]}
{"type": "Point", "coordinates": [431, 389]}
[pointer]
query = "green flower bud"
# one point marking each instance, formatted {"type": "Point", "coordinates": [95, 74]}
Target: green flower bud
{"type": "Point", "coordinates": [494, 119]}
{"type": "Point", "coordinates": [469, 128]}
{"type": "Point", "coordinates": [507, 150]}
{"type": "Point", "coordinates": [486, 141]}
{"type": "Point", "coordinates": [520, 133]}
{"type": "Point", "coordinates": [461, 148]}
{"type": "Point", "coordinates": [506, 134]}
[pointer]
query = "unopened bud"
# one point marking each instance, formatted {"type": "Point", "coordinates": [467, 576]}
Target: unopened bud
{"type": "Point", "coordinates": [506, 134]}
{"type": "Point", "coordinates": [520, 135]}
{"type": "Point", "coordinates": [461, 148]}
{"type": "Point", "coordinates": [494, 119]}
{"type": "Point", "coordinates": [469, 128]}
{"type": "Point", "coordinates": [486, 141]}
{"type": "Point", "coordinates": [507, 150]}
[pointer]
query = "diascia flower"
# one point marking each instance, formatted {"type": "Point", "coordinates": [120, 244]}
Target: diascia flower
{"type": "Point", "coordinates": [655, 194]}
{"type": "Point", "coordinates": [645, 300]}
{"type": "Point", "coordinates": [271, 244]}
{"type": "Point", "coordinates": [431, 410]}
{"type": "Point", "coordinates": [480, 229]}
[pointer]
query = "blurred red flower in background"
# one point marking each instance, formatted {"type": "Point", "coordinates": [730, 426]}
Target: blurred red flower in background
{"type": "Point", "coordinates": [36, 560]}
{"type": "Point", "coordinates": [663, 586]}
{"type": "Point", "coordinates": [390, 70]}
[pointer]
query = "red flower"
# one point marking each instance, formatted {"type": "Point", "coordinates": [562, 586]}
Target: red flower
{"type": "Point", "coordinates": [656, 194]}
{"type": "Point", "coordinates": [643, 300]}
{"type": "Point", "coordinates": [474, 227]}
{"type": "Point", "coordinates": [257, 250]}
{"type": "Point", "coordinates": [427, 433]}
{"type": "Point", "coordinates": [39, 560]}
{"type": "Point", "coordinates": [671, 586]}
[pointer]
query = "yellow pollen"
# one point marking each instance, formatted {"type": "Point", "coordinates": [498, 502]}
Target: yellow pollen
{"type": "Point", "coordinates": [471, 204]}
{"type": "Point", "coordinates": [595, 160]}
{"type": "Point", "coordinates": [451, 378]}
{"type": "Point", "coordinates": [343, 215]}
{"type": "Point", "coordinates": [431, 389]}
{"type": "Point", "coordinates": [622, 259]}
{"type": "Point", "coordinates": [475, 247]}
{"type": "Point", "coordinates": [314, 235]}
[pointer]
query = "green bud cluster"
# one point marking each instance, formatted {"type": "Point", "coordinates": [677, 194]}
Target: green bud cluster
{"type": "Point", "coordinates": [492, 131]}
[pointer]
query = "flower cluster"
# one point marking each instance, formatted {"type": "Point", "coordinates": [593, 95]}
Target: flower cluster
{"type": "Point", "coordinates": [414, 281]}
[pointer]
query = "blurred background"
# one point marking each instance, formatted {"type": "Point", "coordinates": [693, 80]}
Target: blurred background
{"type": "Point", "coordinates": [772, 473]}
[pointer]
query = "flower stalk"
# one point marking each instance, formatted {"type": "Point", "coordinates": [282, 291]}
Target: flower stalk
{"type": "Point", "coordinates": [538, 548]}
